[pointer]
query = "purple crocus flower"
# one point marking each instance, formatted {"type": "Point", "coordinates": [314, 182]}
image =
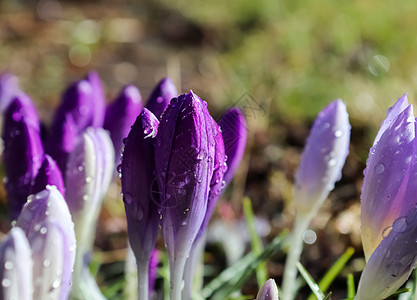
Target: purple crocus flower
{"type": "Point", "coordinates": [234, 131]}
{"type": "Point", "coordinates": [89, 173]}
{"type": "Point", "coordinates": [23, 151]}
{"type": "Point", "coordinates": [48, 174]}
{"type": "Point", "coordinates": [269, 291]}
{"type": "Point", "coordinates": [323, 158]}
{"type": "Point", "coordinates": [16, 266]}
{"type": "Point", "coordinates": [138, 179]}
{"type": "Point", "coordinates": [120, 116]}
{"type": "Point", "coordinates": [160, 97]}
{"type": "Point", "coordinates": [184, 158]}
{"type": "Point", "coordinates": [82, 106]}
{"type": "Point", "coordinates": [388, 213]}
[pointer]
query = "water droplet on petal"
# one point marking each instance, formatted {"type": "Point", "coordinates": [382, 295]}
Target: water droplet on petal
{"type": "Point", "coordinates": [338, 133]}
{"type": "Point", "coordinates": [379, 168]}
{"type": "Point", "coordinates": [400, 224]}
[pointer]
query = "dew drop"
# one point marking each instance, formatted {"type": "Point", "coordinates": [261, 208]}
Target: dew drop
{"type": "Point", "coordinates": [56, 283]}
{"type": "Point", "coordinates": [5, 282]}
{"type": "Point", "coordinates": [400, 224]}
{"type": "Point", "coordinates": [338, 133]}
{"type": "Point", "coordinates": [379, 168]}
{"type": "Point", "coordinates": [332, 162]}
{"type": "Point", "coordinates": [127, 198]}
{"type": "Point", "coordinates": [8, 265]}
{"type": "Point", "coordinates": [406, 260]}
{"type": "Point", "coordinates": [46, 263]}
{"type": "Point", "coordinates": [43, 230]}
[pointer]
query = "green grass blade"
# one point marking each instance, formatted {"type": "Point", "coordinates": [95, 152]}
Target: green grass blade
{"type": "Point", "coordinates": [350, 286]}
{"type": "Point", "coordinates": [310, 281]}
{"type": "Point", "coordinates": [257, 247]}
{"type": "Point", "coordinates": [334, 271]}
{"type": "Point", "coordinates": [232, 279]}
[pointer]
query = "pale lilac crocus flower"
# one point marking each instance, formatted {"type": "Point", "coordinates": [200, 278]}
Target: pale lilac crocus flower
{"type": "Point", "coordinates": [321, 166]}
{"type": "Point", "coordinates": [269, 291]}
{"type": "Point", "coordinates": [388, 205]}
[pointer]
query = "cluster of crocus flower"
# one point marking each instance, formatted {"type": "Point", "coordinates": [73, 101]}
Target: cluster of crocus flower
{"type": "Point", "coordinates": [388, 205]}
{"type": "Point", "coordinates": [76, 155]}
{"type": "Point", "coordinates": [172, 174]}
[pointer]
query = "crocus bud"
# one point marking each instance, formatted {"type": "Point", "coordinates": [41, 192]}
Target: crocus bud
{"type": "Point", "coordinates": [160, 97]}
{"type": "Point", "coordinates": [138, 184]}
{"type": "Point", "coordinates": [120, 116]}
{"type": "Point", "coordinates": [137, 171]}
{"type": "Point", "coordinates": [23, 153]}
{"type": "Point", "coordinates": [48, 174]}
{"type": "Point", "coordinates": [9, 87]}
{"type": "Point", "coordinates": [184, 158]}
{"type": "Point", "coordinates": [82, 106]}
{"type": "Point", "coordinates": [16, 266]}
{"type": "Point", "coordinates": [48, 206]}
{"type": "Point", "coordinates": [52, 257]}
{"type": "Point", "coordinates": [89, 172]}
{"type": "Point", "coordinates": [323, 158]}
{"type": "Point", "coordinates": [234, 131]}
{"type": "Point", "coordinates": [269, 291]}
{"type": "Point", "coordinates": [388, 188]}
{"type": "Point", "coordinates": [392, 262]}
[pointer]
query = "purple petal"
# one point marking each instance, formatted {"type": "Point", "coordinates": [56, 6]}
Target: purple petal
{"type": "Point", "coordinates": [386, 192]}
{"type": "Point", "coordinates": [120, 116]}
{"type": "Point", "coordinates": [392, 113]}
{"type": "Point", "coordinates": [160, 97]}
{"type": "Point", "coordinates": [392, 262]}
{"type": "Point", "coordinates": [23, 154]}
{"type": "Point", "coordinates": [323, 158]}
{"type": "Point", "coordinates": [184, 157]}
{"type": "Point", "coordinates": [138, 183]}
{"type": "Point", "coordinates": [269, 291]}
{"type": "Point", "coordinates": [21, 107]}
{"type": "Point", "coordinates": [234, 133]}
{"type": "Point", "coordinates": [16, 271]}
{"type": "Point", "coordinates": [48, 174]}
{"type": "Point", "coordinates": [98, 99]}
{"type": "Point", "coordinates": [217, 184]}
{"type": "Point", "coordinates": [52, 269]}
{"type": "Point", "coordinates": [9, 87]}
{"type": "Point", "coordinates": [48, 206]}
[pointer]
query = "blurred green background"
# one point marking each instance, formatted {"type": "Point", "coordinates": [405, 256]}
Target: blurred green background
{"type": "Point", "coordinates": [282, 61]}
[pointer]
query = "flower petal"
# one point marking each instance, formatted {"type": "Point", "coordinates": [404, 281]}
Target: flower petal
{"type": "Point", "coordinates": [234, 133]}
{"type": "Point", "coordinates": [386, 181]}
{"type": "Point", "coordinates": [160, 97]}
{"type": "Point", "coordinates": [48, 174]}
{"type": "Point", "coordinates": [269, 291]}
{"type": "Point", "coordinates": [392, 262]}
{"type": "Point", "coordinates": [16, 270]}
{"type": "Point", "coordinates": [120, 116]}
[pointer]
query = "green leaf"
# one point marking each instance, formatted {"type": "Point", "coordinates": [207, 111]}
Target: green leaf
{"type": "Point", "coordinates": [310, 281]}
{"type": "Point", "coordinates": [233, 278]}
{"type": "Point", "coordinates": [257, 247]}
{"type": "Point", "coordinates": [334, 271]}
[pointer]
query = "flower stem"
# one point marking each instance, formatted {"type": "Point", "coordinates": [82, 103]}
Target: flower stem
{"type": "Point", "coordinates": [177, 266]}
{"type": "Point", "coordinates": [296, 247]}
{"type": "Point", "coordinates": [143, 278]}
